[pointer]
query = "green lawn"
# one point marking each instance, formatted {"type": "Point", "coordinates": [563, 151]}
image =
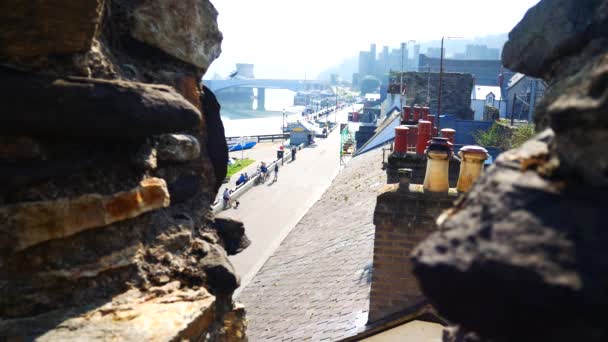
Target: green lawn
{"type": "Point", "coordinates": [238, 166]}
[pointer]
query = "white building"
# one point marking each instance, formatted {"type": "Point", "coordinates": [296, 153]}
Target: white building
{"type": "Point", "coordinates": [487, 96]}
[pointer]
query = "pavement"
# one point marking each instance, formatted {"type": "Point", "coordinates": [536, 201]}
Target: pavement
{"type": "Point", "coordinates": [269, 211]}
{"type": "Point", "coordinates": [316, 284]}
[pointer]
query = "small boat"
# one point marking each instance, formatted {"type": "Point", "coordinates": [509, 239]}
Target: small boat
{"type": "Point", "coordinates": [239, 144]}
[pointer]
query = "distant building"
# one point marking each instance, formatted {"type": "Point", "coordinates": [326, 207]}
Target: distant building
{"type": "Point", "coordinates": [301, 133]}
{"type": "Point", "coordinates": [365, 64]}
{"type": "Point", "coordinates": [415, 58]}
{"type": "Point", "coordinates": [244, 70]}
{"type": "Point", "coordinates": [387, 60]}
{"type": "Point", "coordinates": [422, 88]}
{"type": "Point", "coordinates": [485, 72]}
{"type": "Point", "coordinates": [522, 94]}
{"type": "Point", "coordinates": [490, 96]}
{"type": "Point", "coordinates": [479, 52]}
{"type": "Point", "coordinates": [434, 52]}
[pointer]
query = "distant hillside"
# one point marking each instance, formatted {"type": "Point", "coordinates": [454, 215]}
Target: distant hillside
{"type": "Point", "coordinates": [345, 69]}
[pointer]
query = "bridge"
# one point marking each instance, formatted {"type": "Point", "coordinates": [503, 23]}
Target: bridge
{"type": "Point", "coordinates": [263, 84]}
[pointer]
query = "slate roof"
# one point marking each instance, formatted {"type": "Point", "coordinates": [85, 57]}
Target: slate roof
{"type": "Point", "coordinates": [316, 285]}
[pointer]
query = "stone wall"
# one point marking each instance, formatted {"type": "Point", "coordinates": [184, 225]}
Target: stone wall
{"type": "Point", "coordinates": [455, 91]}
{"type": "Point", "coordinates": [402, 219]}
{"type": "Point", "coordinates": [110, 157]}
{"type": "Point", "coordinates": [484, 72]}
{"type": "Point", "coordinates": [523, 256]}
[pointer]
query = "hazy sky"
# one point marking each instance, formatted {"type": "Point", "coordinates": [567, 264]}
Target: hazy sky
{"type": "Point", "coordinates": [294, 38]}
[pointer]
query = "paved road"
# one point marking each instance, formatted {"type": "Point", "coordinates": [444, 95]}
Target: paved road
{"type": "Point", "coordinates": [271, 210]}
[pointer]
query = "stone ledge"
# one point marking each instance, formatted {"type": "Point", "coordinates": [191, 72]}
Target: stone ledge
{"type": "Point", "coordinates": [165, 313]}
{"type": "Point", "coordinates": [30, 223]}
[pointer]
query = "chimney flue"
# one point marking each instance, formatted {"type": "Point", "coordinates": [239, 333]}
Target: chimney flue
{"type": "Point", "coordinates": [472, 158]}
{"type": "Point", "coordinates": [438, 155]}
{"type": "Point", "coordinates": [401, 137]}
{"type": "Point", "coordinates": [424, 134]}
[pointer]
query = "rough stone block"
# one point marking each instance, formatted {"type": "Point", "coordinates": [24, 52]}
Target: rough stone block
{"type": "Point", "coordinates": [165, 313]}
{"type": "Point", "coordinates": [177, 148]}
{"type": "Point", "coordinates": [38, 27]}
{"type": "Point", "coordinates": [30, 223]}
{"type": "Point", "coordinates": [549, 30]}
{"type": "Point", "coordinates": [21, 148]}
{"type": "Point", "coordinates": [185, 29]}
{"type": "Point", "coordinates": [74, 107]}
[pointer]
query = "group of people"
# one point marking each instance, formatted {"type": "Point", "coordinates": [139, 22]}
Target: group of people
{"type": "Point", "coordinates": [263, 168]}
{"type": "Point", "coordinates": [244, 178]}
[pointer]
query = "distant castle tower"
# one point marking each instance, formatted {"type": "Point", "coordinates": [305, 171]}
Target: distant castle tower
{"type": "Point", "coordinates": [245, 70]}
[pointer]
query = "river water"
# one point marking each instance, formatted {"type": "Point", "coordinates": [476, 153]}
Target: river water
{"type": "Point", "coordinates": [251, 122]}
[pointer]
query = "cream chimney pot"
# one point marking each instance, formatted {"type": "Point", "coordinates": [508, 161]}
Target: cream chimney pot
{"type": "Point", "coordinates": [472, 158]}
{"type": "Point", "coordinates": [438, 155]}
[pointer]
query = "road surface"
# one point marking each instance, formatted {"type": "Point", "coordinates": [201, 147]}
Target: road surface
{"type": "Point", "coordinates": [269, 211]}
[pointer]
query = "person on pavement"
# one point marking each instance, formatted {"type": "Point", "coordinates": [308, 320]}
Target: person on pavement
{"type": "Point", "coordinates": [241, 180]}
{"type": "Point", "coordinates": [293, 153]}
{"type": "Point", "coordinates": [276, 171]}
{"type": "Point", "coordinates": [264, 170]}
{"type": "Point", "coordinates": [227, 198]}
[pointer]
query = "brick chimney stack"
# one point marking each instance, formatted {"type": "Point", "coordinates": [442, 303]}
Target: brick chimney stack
{"type": "Point", "coordinates": [405, 215]}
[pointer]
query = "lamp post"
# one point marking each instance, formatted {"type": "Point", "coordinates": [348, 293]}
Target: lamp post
{"type": "Point", "coordinates": [283, 127]}
{"type": "Point", "coordinates": [440, 81]}
{"type": "Point", "coordinates": [439, 90]}
{"type": "Point", "coordinates": [401, 79]}
{"type": "Point", "coordinates": [336, 111]}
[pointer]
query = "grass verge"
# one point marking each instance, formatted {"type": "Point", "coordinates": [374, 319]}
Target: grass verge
{"type": "Point", "coordinates": [238, 166]}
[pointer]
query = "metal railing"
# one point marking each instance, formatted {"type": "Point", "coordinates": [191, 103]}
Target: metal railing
{"type": "Point", "coordinates": [271, 137]}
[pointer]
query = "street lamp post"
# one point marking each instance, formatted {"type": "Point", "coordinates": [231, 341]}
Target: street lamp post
{"type": "Point", "coordinates": [283, 127]}
{"type": "Point", "coordinates": [401, 79]}
{"type": "Point", "coordinates": [440, 81]}
{"type": "Point", "coordinates": [439, 90]}
{"type": "Point", "coordinates": [336, 111]}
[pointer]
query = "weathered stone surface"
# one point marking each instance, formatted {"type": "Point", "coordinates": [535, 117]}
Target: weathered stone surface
{"type": "Point", "coordinates": [519, 252]}
{"type": "Point", "coordinates": [39, 28]}
{"type": "Point", "coordinates": [184, 84]}
{"type": "Point", "coordinates": [552, 30]}
{"type": "Point", "coordinates": [184, 188]}
{"type": "Point", "coordinates": [233, 236]}
{"type": "Point", "coordinates": [27, 224]}
{"type": "Point", "coordinates": [114, 110]}
{"type": "Point", "coordinates": [576, 111]}
{"type": "Point", "coordinates": [216, 138]}
{"type": "Point", "coordinates": [21, 148]}
{"type": "Point", "coordinates": [177, 148]}
{"type": "Point", "coordinates": [165, 313]}
{"type": "Point", "coordinates": [145, 157]}
{"type": "Point", "coordinates": [233, 326]}
{"type": "Point", "coordinates": [222, 277]}
{"type": "Point", "coordinates": [457, 334]}
{"type": "Point", "coordinates": [185, 29]}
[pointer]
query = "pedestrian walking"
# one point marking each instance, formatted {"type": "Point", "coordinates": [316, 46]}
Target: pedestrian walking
{"type": "Point", "coordinates": [276, 171]}
{"type": "Point", "coordinates": [293, 153]}
{"type": "Point", "coordinates": [227, 198]}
